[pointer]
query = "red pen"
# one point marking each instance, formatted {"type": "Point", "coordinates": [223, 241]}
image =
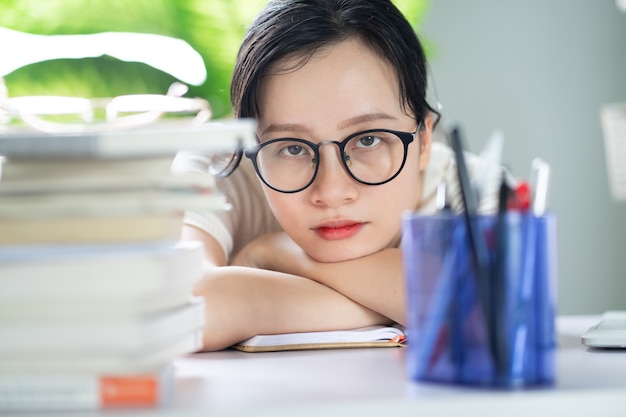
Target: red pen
{"type": "Point", "coordinates": [520, 198]}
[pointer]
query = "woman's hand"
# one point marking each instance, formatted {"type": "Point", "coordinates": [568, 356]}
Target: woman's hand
{"type": "Point", "coordinates": [275, 252]}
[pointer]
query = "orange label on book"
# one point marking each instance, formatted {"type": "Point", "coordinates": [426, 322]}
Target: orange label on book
{"type": "Point", "coordinates": [129, 391]}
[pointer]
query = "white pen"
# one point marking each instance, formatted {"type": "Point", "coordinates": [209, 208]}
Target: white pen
{"type": "Point", "coordinates": [539, 184]}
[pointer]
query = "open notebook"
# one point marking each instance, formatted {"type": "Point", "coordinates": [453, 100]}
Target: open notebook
{"type": "Point", "coordinates": [609, 332]}
{"type": "Point", "coordinates": [371, 336]}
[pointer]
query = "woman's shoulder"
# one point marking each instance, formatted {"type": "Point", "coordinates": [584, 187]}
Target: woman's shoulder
{"type": "Point", "coordinates": [249, 215]}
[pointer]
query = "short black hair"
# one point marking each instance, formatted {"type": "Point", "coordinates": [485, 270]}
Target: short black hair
{"type": "Point", "coordinates": [299, 28]}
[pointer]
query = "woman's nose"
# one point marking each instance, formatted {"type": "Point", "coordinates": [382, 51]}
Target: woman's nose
{"type": "Point", "coordinates": [333, 185]}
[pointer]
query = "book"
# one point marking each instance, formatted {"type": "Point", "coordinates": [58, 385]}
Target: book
{"type": "Point", "coordinates": [364, 337]}
{"type": "Point", "coordinates": [91, 229]}
{"type": "Point", "coordinates": [163, 138]}
{"type": "Point", "coordinates": [142, 361]}
{"type": "Point", "coordinates": [85, 391]}
{"type": "Point", "coordinates": [108, 203]}
{"type": "Point", "coordinates": [45, 272]}
{"type": "Point", "coordinates": [100, 335]}
{"type": "Point", "coordinates": [118, 305]}
{"type": "Point", "coordinates": [66, 168]}
{"type": "Point", "coordinates": [77, 174]}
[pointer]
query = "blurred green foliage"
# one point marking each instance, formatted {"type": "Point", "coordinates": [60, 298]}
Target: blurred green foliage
{"type": "Point", "coordinates": [214, 28]}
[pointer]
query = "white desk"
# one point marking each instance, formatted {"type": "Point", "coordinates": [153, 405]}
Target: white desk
{"type": "Point", "coordinates": [373, 382]}
{"type": "Point", "coordinates": [363, 382]}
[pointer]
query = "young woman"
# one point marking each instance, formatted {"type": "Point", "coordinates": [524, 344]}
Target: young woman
{"type": "Point", "coordinates": [338, 88]}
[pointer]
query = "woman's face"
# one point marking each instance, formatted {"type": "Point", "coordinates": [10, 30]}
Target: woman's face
{"type": "Point", "coordinates": [341, 90]}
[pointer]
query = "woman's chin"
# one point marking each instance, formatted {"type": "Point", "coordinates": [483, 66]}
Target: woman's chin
{"type": "Point", "coordinates": [336, 256]}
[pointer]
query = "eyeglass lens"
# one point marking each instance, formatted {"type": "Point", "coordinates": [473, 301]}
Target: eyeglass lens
{"type": "Point", "coordinates": [371, 157]}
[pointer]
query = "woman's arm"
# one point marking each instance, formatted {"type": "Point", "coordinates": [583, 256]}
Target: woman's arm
{"type": "Point", "coordinates": [375, 281]}
{"type": "Point", "coordinates": [242, 302]}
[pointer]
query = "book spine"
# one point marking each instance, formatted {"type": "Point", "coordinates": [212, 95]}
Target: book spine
{"type": "Point", "coordinates": [84, 392]}
{"type": "Point", "coordinates": [129, 269]}
{"type": "Point", "coordinates": [104, 334]}
{"type": "Point", "coordinates": [151, 141]}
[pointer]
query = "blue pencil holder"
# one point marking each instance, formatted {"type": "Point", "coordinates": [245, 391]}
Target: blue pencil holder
{"type": "Point", "coordinates": [468, 328]}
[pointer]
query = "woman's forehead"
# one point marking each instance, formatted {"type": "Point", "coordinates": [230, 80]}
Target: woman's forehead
{"type": "Point", "coordinates": [344, 82]}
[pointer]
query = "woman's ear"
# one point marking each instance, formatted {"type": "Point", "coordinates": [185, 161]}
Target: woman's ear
{"type": "Point", "coordinates": [425, 136]}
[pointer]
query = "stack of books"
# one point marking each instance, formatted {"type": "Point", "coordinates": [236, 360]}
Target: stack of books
{"type": "Point", "coordinates": [95, 288]}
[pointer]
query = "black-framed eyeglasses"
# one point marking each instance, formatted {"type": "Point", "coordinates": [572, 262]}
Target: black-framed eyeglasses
{"type": "Point", "coordinates": [371, 157]}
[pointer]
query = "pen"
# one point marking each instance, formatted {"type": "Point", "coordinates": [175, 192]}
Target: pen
{"type": "Point", "coordinates": [470, 204]}
{"type": "Point", "coordinates": [438, 308]}
{"type": "Point", "coordinates": [539, 180]}
{"type": "Point", "coordinates": [499, 278]}
{"type": "Point", "coordinates": [442, 312]}
{"type": "Point", "coordinates": [520, 198]}
{"type": "Point", "coordinates": [477, 242]}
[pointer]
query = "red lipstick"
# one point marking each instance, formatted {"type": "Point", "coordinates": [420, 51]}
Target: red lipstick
{"type": "Point", "coordinates": [338, 230]}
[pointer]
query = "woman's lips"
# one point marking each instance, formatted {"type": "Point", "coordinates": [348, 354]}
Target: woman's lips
{"type": "Point", "coordinates": [338, 231]}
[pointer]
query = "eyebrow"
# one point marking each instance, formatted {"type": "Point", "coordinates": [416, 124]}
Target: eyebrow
{"type": "Point", "coordinates": [296, 127]}
{"type": "Point", "coordinates": [284, 127]}
{"type": "Point", "coordinates": [368, 117]}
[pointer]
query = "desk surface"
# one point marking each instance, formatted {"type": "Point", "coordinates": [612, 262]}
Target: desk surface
{"type": "Point", "coordinates": [373, 382]}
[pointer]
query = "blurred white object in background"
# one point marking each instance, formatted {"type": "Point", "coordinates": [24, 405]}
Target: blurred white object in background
{"type": "Point", "coordinates": [173, 56]}
{"type": "Point", "coordinates": [613, 118]}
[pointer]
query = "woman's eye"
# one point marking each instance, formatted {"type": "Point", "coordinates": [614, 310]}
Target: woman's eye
{"type": "Point", "coordinates": [367, 141]}
{"type": "Point", "coordinates": [293, 150]}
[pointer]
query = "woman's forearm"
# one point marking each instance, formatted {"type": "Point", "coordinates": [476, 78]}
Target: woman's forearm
{"type": "Point", "coordinates": [242, 302]}
{"type": "Point", "coordinates": [375, 281]}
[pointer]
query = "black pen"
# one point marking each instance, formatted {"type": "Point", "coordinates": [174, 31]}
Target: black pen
{"type": "Point", "coordinates": [499, 280]}
{"type": "Point", "coordinates": [477, 243]}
